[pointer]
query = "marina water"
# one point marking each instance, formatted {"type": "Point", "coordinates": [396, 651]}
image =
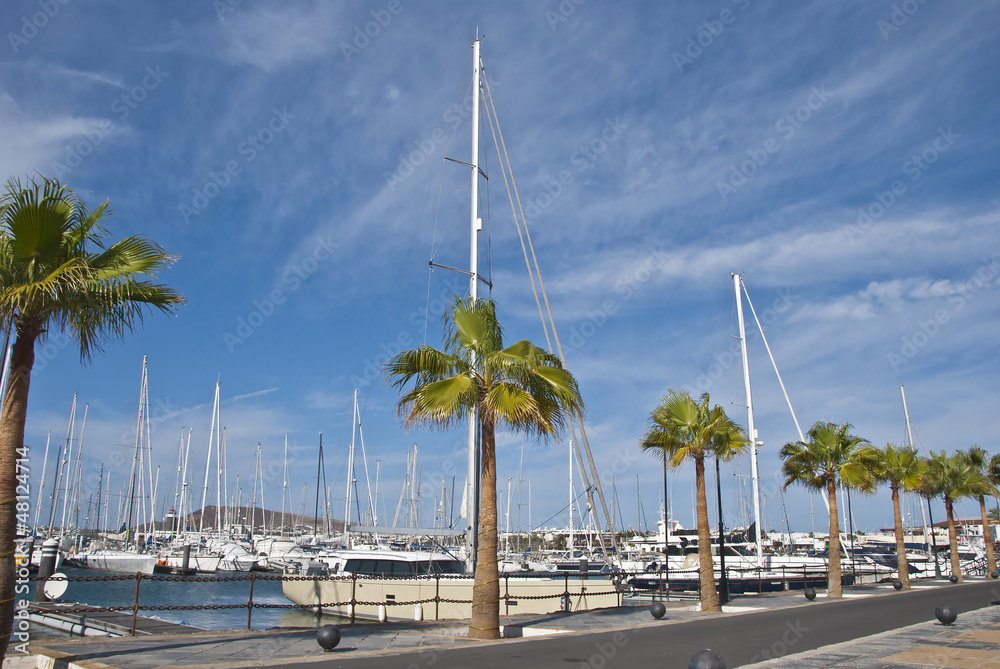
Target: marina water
{"type": "Point", "coordinates": [190, 591]}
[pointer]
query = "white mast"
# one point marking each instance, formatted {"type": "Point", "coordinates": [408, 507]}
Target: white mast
{"type": "Point", "coordinates": [177, 478]}
{"type": "Point", "coordinates": [181, 525]}
{"type": "Point", "coordinates": [364, 460]}
{"type": "Point", "coordinates": [909, 438]}
{"type": "Point", "coordinates": [208, 462]}
{"type": "Point", "coordinates": [64, 472]}
{"type": "Point", "coordinates": [284, 486]}
{"type": "Point", "coordinates": [350, 470]}
{"type": "Point", "coordinates": [751, 431]}
{"type": "Point", "coordinates": [41, 482]}
{"type": "Point", "coordinates": [472, 518]}
{"type": "Point", "coordinates": [569, 538]}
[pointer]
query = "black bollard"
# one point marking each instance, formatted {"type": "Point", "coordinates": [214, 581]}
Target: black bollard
{"type": "Point", "coordinates": [706, 659]}
{"type": "Point", "coordinates": [50, 549]}
{"type": "Point", "coordinates": [810, 593]}
{"type": "Point", "coordinates": [657, 609]}
{"type": "Point", "coordinates": [953, 578]}
{"type": "Point", "coordinates": [897, 584]}
{"type": "Point", "coordinates": [328, 636]}
{"type": "Point", "coordinates": [946, 614]}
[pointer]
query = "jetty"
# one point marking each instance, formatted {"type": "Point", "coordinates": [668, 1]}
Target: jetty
{"type": "Point", "coordinates": [83, 620]}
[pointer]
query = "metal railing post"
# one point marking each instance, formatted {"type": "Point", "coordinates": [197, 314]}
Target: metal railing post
{"type": "Point", "coordinates": [354, 599]}
{"type": "Point", "coordinates": [250, 601]}
{"type": "Point", "coordinates": [135, 603]}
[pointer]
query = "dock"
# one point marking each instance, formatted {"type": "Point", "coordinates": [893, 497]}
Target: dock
{"type": "Point", "coordinates": [84, 620]}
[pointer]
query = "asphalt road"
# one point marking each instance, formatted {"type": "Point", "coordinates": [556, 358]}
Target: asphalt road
{"type": "Point", "coordinates": [740, 638]}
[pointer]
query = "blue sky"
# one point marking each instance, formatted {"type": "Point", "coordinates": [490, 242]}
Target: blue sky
{"type": "Point", "coordinates": [841, 156]}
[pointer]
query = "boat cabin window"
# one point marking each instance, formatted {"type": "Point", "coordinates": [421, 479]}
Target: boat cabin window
{"type": "Point", "coordinates": [372, 567]}
{"type": "Point", "coordinates": [440, 567]}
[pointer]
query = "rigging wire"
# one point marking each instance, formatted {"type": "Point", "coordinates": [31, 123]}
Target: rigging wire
{"type": "Point", "coordinates": [576, 417]}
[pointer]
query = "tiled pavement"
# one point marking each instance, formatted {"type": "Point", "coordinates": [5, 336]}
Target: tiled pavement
{"type": "Point", "coordinates": [973, 640]}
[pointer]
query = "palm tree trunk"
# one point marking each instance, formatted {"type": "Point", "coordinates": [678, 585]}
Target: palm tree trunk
{"type": "Point", "coordinates": [902, 566]}
{"type": "Point", "coordinates": [706, 569]}
{"type": "Point", "coordinates": [991, 560]}
{"type": "Point", "coordinates": [12, 419]}
{"type": "Point", "coordinates": [485, 622]}
{"type": "Point", "coordinates": [833, 586]}
{"type": "Point", "coordinates": [956, 566]}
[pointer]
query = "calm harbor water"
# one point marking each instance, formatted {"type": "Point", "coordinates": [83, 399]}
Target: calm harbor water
{"type": "Point", "coordinates": [192, 591]}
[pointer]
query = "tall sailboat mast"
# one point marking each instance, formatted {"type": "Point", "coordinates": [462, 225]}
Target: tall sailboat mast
{"type": "Point", "coordinates": [751, 430]}
{"type": "Point", "coordinates": [472, 508]}
{"type": "Point", "coordinates": [909, 439]}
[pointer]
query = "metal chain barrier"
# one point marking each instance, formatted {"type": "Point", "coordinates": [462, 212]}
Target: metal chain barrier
{"type": "Point", "coordinates": [619, 578]}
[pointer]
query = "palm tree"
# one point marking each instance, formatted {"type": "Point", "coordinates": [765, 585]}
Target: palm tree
{"type": "Point", "coordinates": [521, 387]}
{"type": "Point", "coordinates": [58, 272]}
{"type": "Point", "coordinates": [832, 456]}
{"type": "Point", "coordinates": [987, 467]}
{"type": "Point", "coordinates": [902, 469]}
{"type": "Point", "coordinates": [681, 429]}
{"type": "Point", "coordinates": [956, 478]}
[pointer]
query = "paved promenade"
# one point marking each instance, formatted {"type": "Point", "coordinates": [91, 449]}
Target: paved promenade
{"type": "Point", "coordinates": [873, 626]}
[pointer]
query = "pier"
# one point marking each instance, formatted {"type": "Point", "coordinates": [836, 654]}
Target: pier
{"type": "Point", "coordinates": [82, 620]}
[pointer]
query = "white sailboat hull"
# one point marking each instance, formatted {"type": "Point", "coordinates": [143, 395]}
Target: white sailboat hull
{"type": "Point", "coordinates": [116, 561]}
{"type": "Point", "coordinates": [547, 595]}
